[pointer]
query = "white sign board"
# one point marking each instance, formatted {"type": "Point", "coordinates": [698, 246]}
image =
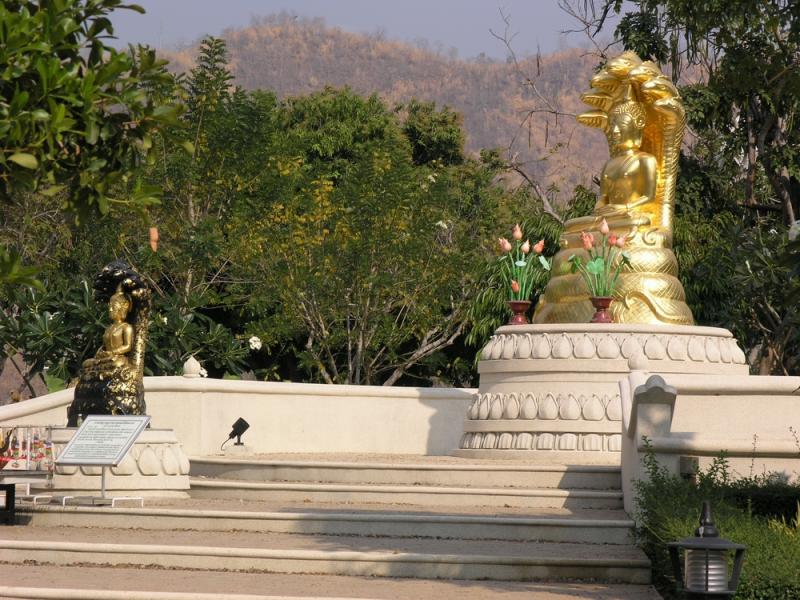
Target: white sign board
{"type": "Point", "coordinates": [103, 440]}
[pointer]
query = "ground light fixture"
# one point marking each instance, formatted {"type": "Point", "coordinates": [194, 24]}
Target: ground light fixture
{"type": "Point", "coordinates": [237, 430]}
{"type": "Point", "coordinates": [705, 558]}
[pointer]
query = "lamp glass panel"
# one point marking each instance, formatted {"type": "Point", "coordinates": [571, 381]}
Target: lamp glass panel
{"type": "Point", "coordinates": [695, 564]}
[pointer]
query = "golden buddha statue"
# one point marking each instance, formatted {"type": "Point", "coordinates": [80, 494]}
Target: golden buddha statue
{"type": "Point", "coordinates": [118, 337]}
{"type": "Point", "coordinates": [643, 118]}
{"type": "Point", "coordinates": [111, 383]}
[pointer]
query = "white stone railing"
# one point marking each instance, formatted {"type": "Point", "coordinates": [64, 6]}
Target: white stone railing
{"type": "Point", "coordinates": [286, 417]}
{"type": "Point", "coordinates": [754, 420]}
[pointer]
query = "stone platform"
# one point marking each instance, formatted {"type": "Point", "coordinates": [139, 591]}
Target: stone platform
{"type": "Point", "coordinates": [156, 465]}
{"type": "Point", "coordinates": [550, 393]}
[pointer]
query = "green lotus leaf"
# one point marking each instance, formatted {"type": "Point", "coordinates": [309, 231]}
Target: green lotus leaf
{"type": "Point", "coordinates": [595, 266]}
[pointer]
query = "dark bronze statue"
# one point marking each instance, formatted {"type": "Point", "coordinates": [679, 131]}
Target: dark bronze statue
{"type": "Point", "coordinates": [111, 382]}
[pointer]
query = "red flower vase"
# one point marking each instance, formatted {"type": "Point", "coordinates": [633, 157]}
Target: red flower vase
{"type": "Point", "coordinates": [601, 312]}
{"type": "Point", "coordinates": [519, 308]}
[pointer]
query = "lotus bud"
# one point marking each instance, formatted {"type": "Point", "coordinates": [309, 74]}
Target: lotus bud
{"type": "Point", "coordinates": [526, 247]}
{"type": "Point", "coordinates": [517, 232]}
{"type": "Point", "coordinates": [587, 239]}
{"type": "Point", "coordinates": [505, 245]}
{"type": "Point", "coordinates": [514, 286]}
{"type": "Point", "coordinates": [154, 238]}
{"type": "Point", "coordinates": [539, 247]}
{"type": "Point", "coordinates": [621, 241]}
{"type": "Point", "coordinates": [612, 239]}
{"type": "Point", "coordinates": [604, 227]}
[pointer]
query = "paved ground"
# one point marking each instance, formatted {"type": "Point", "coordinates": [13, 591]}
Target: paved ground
{"type": "Point", "coordinates": [310, 585]}
{"type": "Point", "coordinates": [326, 543]}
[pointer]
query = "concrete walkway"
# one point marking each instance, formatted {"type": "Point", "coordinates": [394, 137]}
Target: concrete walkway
{"type": "Point", "coordinates": [158, 584]}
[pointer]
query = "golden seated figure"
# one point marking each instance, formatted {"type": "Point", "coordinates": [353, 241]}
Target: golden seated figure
{"type": "Point", "coordinates": [117, 339]}
{"type": "Point", "coordinates": [111, 383]}
{"type": "Point", "coordinates": [643, 118]}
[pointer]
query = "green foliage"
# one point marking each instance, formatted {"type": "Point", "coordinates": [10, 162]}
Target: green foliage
{"type": "Point", "coordinates": [370, 257]}
{"type": "Point", "coordinates": [12, 272]}
{"type": "Point", "coordinates": [669, 507]}
{"type": "Point", "coordinates": [641, 33]}
{"type": "Point", "coordinates": [53, 329]}
{"type": "Point", "coordinates": [434, 135]}
{"type": "Point", "coordinates": [364, 261]}
{"type": "Point", "coordinates": [75, 113]}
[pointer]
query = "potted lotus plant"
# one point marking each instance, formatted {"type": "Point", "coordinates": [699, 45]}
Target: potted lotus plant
{"type": "Point", "coordinates": [518, 263]}
{"type": "Point", "coordinates": [601, 271]}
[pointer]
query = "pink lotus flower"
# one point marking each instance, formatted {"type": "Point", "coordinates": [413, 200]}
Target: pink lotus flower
{"type": "Point", "coordinates": [539, 247]}
{"type": "Point", "coordinates": [612, 239]}
{"type": "Point", "coordinates": [517, 232]}
{"type": "Point", "coordinates": [154, 239]}
{"type": "Point", "coordinates": [505, 245]}
{"type": "Point", "coordinates": [604, 227]}
{"type": "Point", "coordinates": [587, 239]}
{"type": "Point", "coordinates": [620, 241]}
{"type": "Point", "coordinates": [514, 286]}
{"type": "Point", "coordinates": [526, 247]}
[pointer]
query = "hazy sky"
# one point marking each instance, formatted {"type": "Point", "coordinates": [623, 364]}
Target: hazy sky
{"type": "Point", "coordinates": [463, 24]}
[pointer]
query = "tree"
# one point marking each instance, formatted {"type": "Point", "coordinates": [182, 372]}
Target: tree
{"type": "Point", "coordinates": [434, 135]}
{"type": "Point", "coordinates": [76, 118]}
{"type": "Point", "coordinates": [211, 168]}
{"type": "Point", "coordinates": [75, 113]}
{"type": "Point", "coordinates": [372, 259]}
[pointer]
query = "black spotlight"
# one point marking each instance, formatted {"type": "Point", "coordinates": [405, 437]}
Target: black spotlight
{"type": "Point", "coordinates": [238, 430]}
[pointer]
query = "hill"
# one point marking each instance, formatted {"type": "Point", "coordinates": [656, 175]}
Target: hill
{"type": "Point", "coordinates": [296, 56]}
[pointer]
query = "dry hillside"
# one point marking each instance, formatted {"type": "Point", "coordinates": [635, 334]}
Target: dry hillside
{"type": "Point", "coordinates": [293, 56]}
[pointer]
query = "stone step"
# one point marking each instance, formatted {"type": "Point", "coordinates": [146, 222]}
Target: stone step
{"type": "Point", "coordinates": [324, 554]}
{"type": "Point", "coordinates": [97, 583]}
{"type": "Point", "coordinates": [444, 471]}
{"type": "Point", "coordinates": [403, 494]}
{"type": "Point", "coordinates": [553, 525]}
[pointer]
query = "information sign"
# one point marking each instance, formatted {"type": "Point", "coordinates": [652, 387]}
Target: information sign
{"type": "Point", "coordinates": [103, 440]}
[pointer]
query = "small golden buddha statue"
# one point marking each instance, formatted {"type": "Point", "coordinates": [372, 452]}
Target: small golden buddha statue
{"type": "Point", "coordinates": [643, 119]}
{"type": "Point", "coordinates": [118, 337]}
{"type": "Point", "coordinates": [111, 383]}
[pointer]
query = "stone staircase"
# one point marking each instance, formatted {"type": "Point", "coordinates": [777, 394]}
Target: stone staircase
{"type": "Point", "coordinates": [500, 523]}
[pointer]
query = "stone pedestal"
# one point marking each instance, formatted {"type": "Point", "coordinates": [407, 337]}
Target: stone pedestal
{"type": "Point", "coordinates": [550, 393]}
{"type": "Point", "coordinates": [155, 466]}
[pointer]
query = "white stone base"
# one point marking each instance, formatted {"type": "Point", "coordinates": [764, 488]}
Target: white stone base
{"type": "Point", "coordinates": [551, 392]}
{"type": "Point", "coordinates": [156, 466]}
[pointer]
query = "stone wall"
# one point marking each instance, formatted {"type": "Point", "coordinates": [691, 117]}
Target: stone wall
{"type": "Point", "coordinates": [286, 417]}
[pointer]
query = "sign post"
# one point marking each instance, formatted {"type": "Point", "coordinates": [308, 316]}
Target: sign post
{"type": "Point", "coordinates": [103, 440]}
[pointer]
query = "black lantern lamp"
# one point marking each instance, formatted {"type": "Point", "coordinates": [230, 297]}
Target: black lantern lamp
{"type": "Point", "coordinates": [705, 572]}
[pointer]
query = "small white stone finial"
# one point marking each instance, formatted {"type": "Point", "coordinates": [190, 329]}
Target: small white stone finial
{"type": "Point", "coordinates": [191, 368]}
{"type": "Point", "coordinates": [638, 362]}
